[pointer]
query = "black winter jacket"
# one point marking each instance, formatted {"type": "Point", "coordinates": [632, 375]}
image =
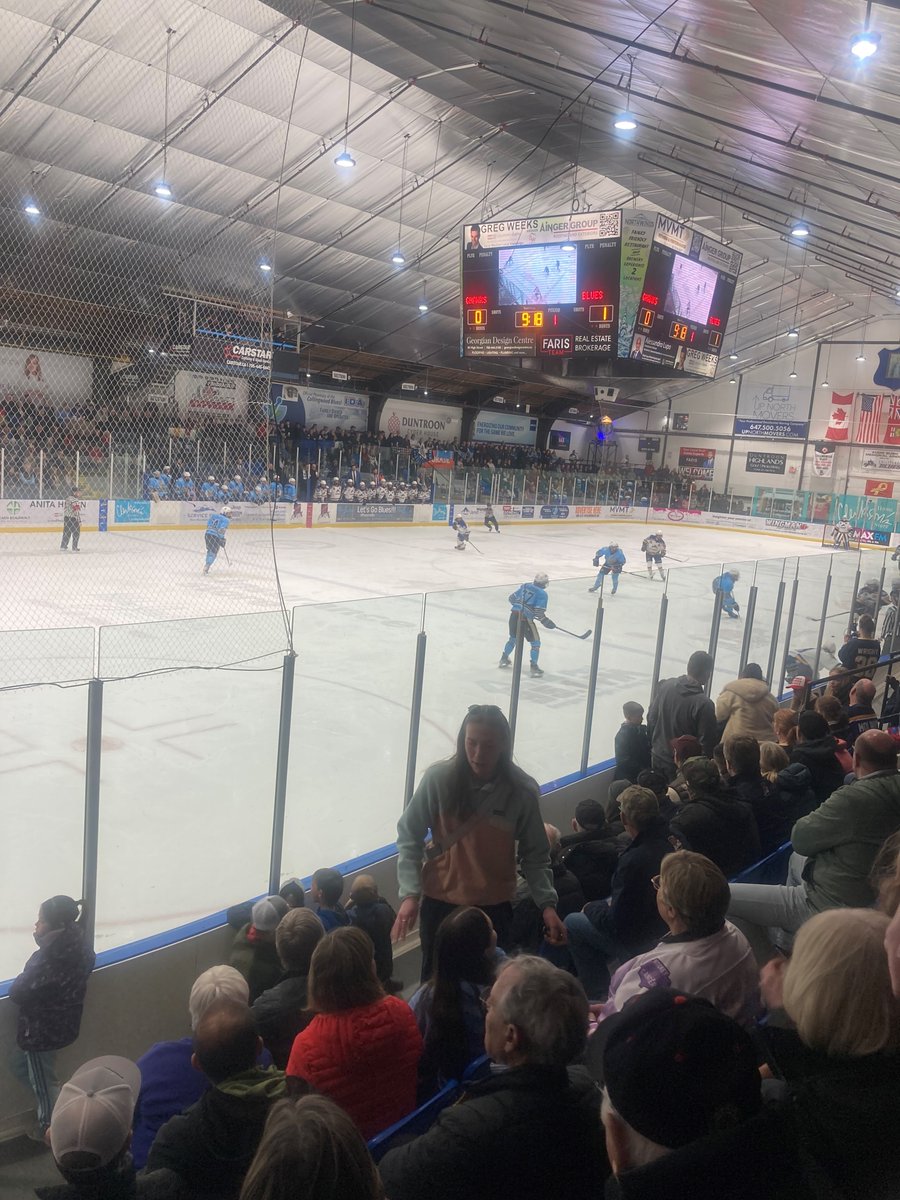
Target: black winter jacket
{"type": "Point", "coordinates": [50, 991]}
{"type": "Point", "coordinates": [531, 1133]}
{"type": "Point", "coordinates": [819, 759]}
{"type": "Point", "coordinates": [592, 857]}
{"type": "Point", "coordinates": [632, 751]}
{"type": "Point", "coordinates": [376, 919]}
{"type": "Point", "coordinates": [721, 828]}
{"type": "Point", "coordinates": [280, 1014]}
{"type": "Point", "coordinates": [631, 916]}
{"type": "Point", "coordinates": [774, 819]}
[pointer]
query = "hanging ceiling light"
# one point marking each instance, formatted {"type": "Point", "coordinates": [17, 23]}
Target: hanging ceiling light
{"type": "Point", "coordinates": [345, 158]}
{"type": "Point", "coordinates": [793, 332]}
{"type": "Point", "coordinates": [733, 379]}
{"type": "Point", "coordinates": [865, 43]}
{"type": "Point", "coordinates": [626, 121]}
{"type": "Point", "coordinates": [800, 229]}
{"type": "Point", "coordinates": [32, 209]}
{"type": "Point", "coordinates": [398, 258]}
{"type": "Point", "coordinates": [792, 375]}
{"type": "Point", "coordinates": [860, 357]}
{"type": "Point", "coordinates": [162, 187]}
{"type": "Point", "coordinates": [423, 300]}
{"type": "Point", "coordinates": [265, 265]}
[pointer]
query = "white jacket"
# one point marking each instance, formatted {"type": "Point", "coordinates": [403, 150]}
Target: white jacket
{"type": "Point", "coordinates": [720, 968]}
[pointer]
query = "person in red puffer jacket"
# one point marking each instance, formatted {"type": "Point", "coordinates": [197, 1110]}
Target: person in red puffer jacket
{"type": "Point", "coordinates": [362, 1048]}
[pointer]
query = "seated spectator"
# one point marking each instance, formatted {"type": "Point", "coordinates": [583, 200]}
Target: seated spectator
{"type": "Point", "coordinates": [713, 823]}
{"type": "Point", "coordinates": [817, 749]}
{"type": "Point", "coordinates": [774, 819]}
{"type": "Point", "coordinates": [791, 780]}
{"type": "Point", "coordinates": [448, 1008]}
{"type": "Point", "coordinates": [374, 916]}
{"type": "Point", "coordinates": [527, 930]}
{"type": "Point", "coordinates": [840, 1064]}
{"type": "Point", "coordinates": [835, 715]}
{"type": "Point", "coordinates": [632, 744]}
{"type": "Point", "coordinates": [835, 848]}
{"type": "Point", "coordinates": [311, 1150]}
{"type": "Point", "coordinates": [666, 795]}
{"type": "Point", "coordinates": [784, 724]}
{"type": "Point", "coordinates": [745, 707]}
{"type": "Point", "coordinates": [253, 952]}
{"type": "Point", "coordinates": [589, 851]}
{"type": "Point", "coordinates": [683, 748]}
{"type": "Point", "coordinates": [291, 891]}
{"type": "Point", "coordinates": [169, 1081]}
{"type": "Point", "coordinates": [530, 1131]}
{"type": "Point", "coordinates": [629, 921]}
{"type": "Point", "coordinates": [611, 804]}
{"type": "Point", "coordinates": [683, 1109]}
{"type": "Point", "coordinates": [362, 1048]}
{"type": "Point", "coordinates": [325, 890]}
{"type": "Point", "coordinates": [211, 1146]}
{"type": "Point", "coordinates": [90, 1133]}
{"type": "Point", "coordinates": [281, 1011]}
{"type": "Point", "coordinates": [861, 713]}
{"type": "Point", "coordinates": [702, 953]}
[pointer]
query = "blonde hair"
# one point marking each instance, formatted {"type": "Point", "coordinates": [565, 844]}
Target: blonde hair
{"type": "Point", "coordinates": [772, 759]}
{"type": "Point", "coordinates": [837, 987]}
{"type": "Point", "coordinates": [885, 877]}
{"type": "Point", "coordinates": [214, 985]}
{"type": "Point", "coordinates": [698, 891]}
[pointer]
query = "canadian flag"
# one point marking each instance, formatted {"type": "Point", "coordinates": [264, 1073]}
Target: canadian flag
{"type": "Point", "coordinates": [839, 421]}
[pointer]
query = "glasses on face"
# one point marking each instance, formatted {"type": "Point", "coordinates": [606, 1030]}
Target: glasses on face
{"type": "Point", "coordinates": [655, 881]}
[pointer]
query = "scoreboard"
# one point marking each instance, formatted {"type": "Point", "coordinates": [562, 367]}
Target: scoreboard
{"type": "Point", "coordinates": [686, 299]}
{"type": "Point", "coordinates": [566, 286]}
{"type": "Point", "coordinates": [541, 287]}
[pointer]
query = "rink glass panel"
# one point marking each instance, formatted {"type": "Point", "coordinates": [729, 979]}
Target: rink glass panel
{"type": "Point", "coordinates": [349, 728]}
{"type": "Point", "coordinates": [46, 655]}
{"type": "Point", "coordinates": [187, 787]}
{"type": "Point", "coordinates": [688, 616]}
{"type": "Point", "coordinates": [42, 748]}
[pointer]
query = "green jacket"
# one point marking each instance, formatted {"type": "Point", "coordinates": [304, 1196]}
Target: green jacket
{"type": "Point", "coordinates": [842, 838]}
{"type": "Point", "coordinates": [480, 868]}
{"type": "Point", "coordinates": [257, 961]}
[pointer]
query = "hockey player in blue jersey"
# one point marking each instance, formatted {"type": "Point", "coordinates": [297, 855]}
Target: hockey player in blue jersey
{"type": "Point", "coordinates": [613, 562]}
{"type": "Point", "coordinates": [529, 599]}
{"type": "Point", "coordinates": [216, 528]}
{"type": "Point", "coordinates": [723, 587]}
{"type": "Point", "coordinates": [290, 490]}
{"type": "Point", "coordinates": [462, 533]}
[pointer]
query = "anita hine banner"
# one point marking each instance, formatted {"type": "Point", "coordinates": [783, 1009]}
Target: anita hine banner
{"type": "Point", "coordinates": [772, 410]}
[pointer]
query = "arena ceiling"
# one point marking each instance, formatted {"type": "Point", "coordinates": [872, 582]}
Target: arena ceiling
{"type": "Point", "coordinates": [752, 114]}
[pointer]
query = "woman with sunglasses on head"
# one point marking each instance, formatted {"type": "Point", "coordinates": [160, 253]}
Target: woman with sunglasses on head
{"type": "Point", "coordinates": [457, 839]}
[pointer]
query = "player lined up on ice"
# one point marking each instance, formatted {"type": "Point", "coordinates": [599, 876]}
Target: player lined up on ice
{"type": "Point", "coordinates": [462, 533]}
{"type": "Point", "coordinates": [490, 521]}
{"type": "Point", "coordinates": [613, 562]}
{"type": "Point", "coordinates": [723, 587]}
{"type": "Point", "coordinates": [530, 600]}
{"type": "Point", "coordinates": [654, 548]}
{"type": "Point", "coordinates": [216, 528]}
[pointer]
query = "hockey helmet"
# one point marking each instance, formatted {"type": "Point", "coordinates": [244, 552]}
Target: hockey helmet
{"type": "Point", "coordinates": [226, 511]}
{"type": "Point", "coordinates": [735, 574]}
{"type": "Point", "coordinates": [613, 545]}
{"type": "Point", "coordinates": [542, 579]}
{"type": "Point", "coordinates": [210, 479]}
{"type": "Point", "coordinates": [292, 480]}
{"type": "Point", "coordinates": [659, 533]}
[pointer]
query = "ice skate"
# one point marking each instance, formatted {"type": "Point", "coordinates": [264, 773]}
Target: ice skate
{"type": "Point", "coordinates": [504, 661]}
{"type": "Point", "coordinates": [536, 670]}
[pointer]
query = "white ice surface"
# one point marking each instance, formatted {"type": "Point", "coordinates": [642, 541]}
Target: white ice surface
{"type": "Point", "coordinates": [188, 765]}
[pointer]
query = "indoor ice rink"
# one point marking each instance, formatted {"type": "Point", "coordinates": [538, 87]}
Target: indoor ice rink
{"type": "Point", "coordinates": [188, 754]}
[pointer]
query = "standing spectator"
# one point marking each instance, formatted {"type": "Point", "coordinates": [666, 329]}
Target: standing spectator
{"type": "Point", "coordinates": [211, 1146]}
{"type": "Point", "coordinates": [530, 1131]}
{"type": "Point", "coordinates": [49, 995]}
{"type": "Point", "coordinates": [362, 1048]}
{"type": "Point", "coordinates": [281, 1011]}
{"type": "Point", "coordinates": [816, 749]}
{"type": "Point", "coordinates": [325, 890]}
{"type": "Point", "coordinates": [448, 1008]}
{"type": "Point", "coordinates": [861, 715]}
{"type": "Point", "coordinates": [310, 1148]}
{"type": "Point", "coordinates": [681, 706]}
{"type": "Point", "coordinates": [629, 921]}
{"type": "Point", "coordinates": [590, 850]}
{"type": "Point", "coordinates": [253, 951]}
{"type": "Point", "coordinates": [745, 707]}
{"type": "Point", "coordinates": [861, 651]}
{"type": "Point", "coordinates": [291, 891]}
{"type": "Point", "coordinates": [834, 850]}
{"type": "Point", "coordinates": [480, 809]}
{"type": "Point", "coordinates": [632, 745]}
{"type": "Point", "coordinates": [169, 1081]}
{"type": "Point", "coordinates": [711, 822]}
{"type": "Point", "coordinates": [72, 510]}
{"type": "Point", "coordinates": [369, 912]}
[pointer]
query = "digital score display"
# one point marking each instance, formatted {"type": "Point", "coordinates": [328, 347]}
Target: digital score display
{"type": "Point", "coordinates": [686, 299]}
{"type": "Point", "coordinates": [541, 287]}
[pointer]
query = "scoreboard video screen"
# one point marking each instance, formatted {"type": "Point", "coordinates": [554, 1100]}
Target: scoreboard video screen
{"type": "Point", "coordinates": [545, 286]}
{"type": "Point", "coordinates": [686, 299]}
{"type": "Point", "coordinates": [570, 286]}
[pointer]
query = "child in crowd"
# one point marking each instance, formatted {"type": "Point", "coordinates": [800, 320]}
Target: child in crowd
{"type": "Point", "coordinates": [325, 891]}
{"type": "Point", "coordinates": [590, 851]}
{"type": "Point", "coordinates": [632, 747]}
{"type": "Point", "coordinates": [372, 914]}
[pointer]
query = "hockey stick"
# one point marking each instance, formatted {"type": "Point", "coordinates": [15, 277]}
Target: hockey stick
{"type": "Point", "coordinates": [474, 547]}
{"type": "Point", "coordinates": [582, 637]}
{"type": "Point", "coordinates": [225, 552]}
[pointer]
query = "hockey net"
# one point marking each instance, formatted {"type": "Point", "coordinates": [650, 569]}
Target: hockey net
{"type": "Point", "coordinates": [835, 538]}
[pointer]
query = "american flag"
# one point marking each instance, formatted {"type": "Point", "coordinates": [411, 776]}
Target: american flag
{"type": "Point", "coordinates": [869, 419]}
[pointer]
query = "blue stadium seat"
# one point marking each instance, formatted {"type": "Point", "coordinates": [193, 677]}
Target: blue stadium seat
{"type": "Point", "coordinates": [418, 1121]}
{"type": "Point", "coordinates": [478, 1068]}
{"type": "Point", "coordinates": [771, 869]}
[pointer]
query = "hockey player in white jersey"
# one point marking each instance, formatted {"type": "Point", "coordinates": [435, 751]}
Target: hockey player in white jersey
{"type": "Point", "coordinates": [335, 491]}
{"type": "Point", "coordinates": [654, 548]}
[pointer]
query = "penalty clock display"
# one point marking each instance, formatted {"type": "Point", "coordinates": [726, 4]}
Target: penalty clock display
{"type": "Point", "coordinates": [686, 299]}
{"type": "Point", "coordinates": [544, 286]}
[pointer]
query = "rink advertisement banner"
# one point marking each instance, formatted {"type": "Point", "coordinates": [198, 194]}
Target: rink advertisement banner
{"type": "Point", "coordinates": [246, 354]}
{"type": "Point", "coordinates": [318, 406]}
{"type": "Point", "coordinates": [759, 463]}
{"type": "Point", "coordinates": [211, 397]}
{"type": "Point", "coordinates": [696, 462]}
{"type": "Point", "coordinates": [57, 381]}
{"type": "Point", "coordinates": [575, 227]}
{"type": "Point", "coordinates": [132, 512]}
{"type": "Point", "coordinates": [391, 513]}
{"type": "Point", "coordinates": [15, 514]}
{"type": "Point", "coordinates": [878, 461]}
{"type": "Point", "coordinates": [637, 233]}
{"type": "Point", "coordinates": [421, 422]}
{"type": "Point", "coordinates": [512, 429]}
{"type": "Point", "coordinates": [554, 512]}
{"type": "Point", "coordinates": [198, 512]}
{"type": "Point", "coordinates": [771, 410]}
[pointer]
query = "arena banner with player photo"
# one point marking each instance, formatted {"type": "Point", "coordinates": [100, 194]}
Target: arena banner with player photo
{"type": "Point", "coordinates": [211, 397]}
{"type": "Point", "coordinates": [389, 513]}
{"type": "Point", "coordinates": [318, 406]}
{"type": "Point", "coordinates": [771, 410]}
{"type": "Point", "coordinates": [57, 381]}
{"type": "Point", "coordinates": [421, 422]}
{"type": "Point", "coordinates": [696, 462]}
{"type": "Point", "coordinates": [512, 429]}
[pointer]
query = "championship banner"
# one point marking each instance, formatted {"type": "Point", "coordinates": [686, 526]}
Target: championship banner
{"type": "Point", "coordinates": [696, 462]}
{"type": "Point", "coordinates": [879, 487]}
{"type": "Point", "coordinates": [839, 418]}
{"type": "Point", "coordinates": [823, 460]}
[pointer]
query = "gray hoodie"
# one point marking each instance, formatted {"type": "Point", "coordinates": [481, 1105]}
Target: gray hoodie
{"type": "Point", "coordinates": [680, 706]}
